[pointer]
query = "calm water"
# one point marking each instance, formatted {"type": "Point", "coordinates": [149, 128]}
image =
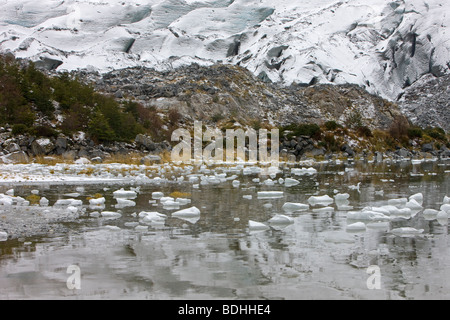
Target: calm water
{"type": "Point", "coordinates": [217, 257]}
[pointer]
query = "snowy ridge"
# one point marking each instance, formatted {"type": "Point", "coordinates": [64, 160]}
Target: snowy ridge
{"type": "Point", "coordinates": [384, 46]}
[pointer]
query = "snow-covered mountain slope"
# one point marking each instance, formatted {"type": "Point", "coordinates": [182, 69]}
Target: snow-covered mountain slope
{"type": "Point", "coordinates": [384, 46]}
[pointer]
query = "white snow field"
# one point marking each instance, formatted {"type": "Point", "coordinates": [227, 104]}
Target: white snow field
{"type": "Point", "coordinates": [379, 44]}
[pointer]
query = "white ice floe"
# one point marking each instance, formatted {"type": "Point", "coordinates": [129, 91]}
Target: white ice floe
{"type": "Point", "coordinates": [3, 236]}
{"type": "Point", "coordinates": [97, 201]}
{"type": "Point", "coordinates": [356, 227]}
{"type": "Point", "coordinates": [270, 194]}
{"type": "Point", "coordinates": [257, 226]}
{"type": "Point", "coordinates": [398, 202]}
{"type": "Point", "coordinates": [446, 200]}
{"type": "Point", "coordinates": [323, 210]}
{"type": "Point", "coordinates": [247, 196]}
{"type": "Point", "coordinates": [43, 202]}
{"type": "Point", "coordinates": [418, 197]}
{"type": "Point", "coordinates": [293, 207]}
{"type": "Point", "coordinates": [320, 200]}
{"type": "Point", "coordinates": [430, 214]}
{"type": "Point", "coordinates": [413, 205]}
{"type": "Point", "coordinates": [157, 195]}
{"type": "Point", "coordinates": [303, 171]}
{"type": "Point", "coordinates": [367, 215]}
{"type": "Point", "coordinates": [68, 202]}
{"type": "Point", "coordinates": [122, 203]}
{"type": "Point", "coordinates": [341, 196]}
{"type": "Point", "coordinates": [279, 222]}
{"type": "Point", "coordinates": [149, 217]}
{"type": "Point", "coordinates": [289, 182]}
{"type": "Point", "coordinates": [189, 212]}
{"type": "Point", "coordinates": [111, 214]}
{"type": "Point", "coordinates": [445, 207]}
{"type": "Point", "coordinates": [127, 194]}
{"type": "Point", "coordinates": [407, 231]}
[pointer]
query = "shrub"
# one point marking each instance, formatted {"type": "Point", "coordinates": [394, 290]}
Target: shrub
{"type": "Point", "coordinates": [364, 131]}
{"type": "Point", "coordinates": [43, 131]}
{"type": "Point", "coordinates": [399, 128]}
{"type": "Point", "coordinates": [436, 133]}
{"type": "Point", "coordinates": [331, 125]}
{"type": "Point", "coordinates": [19, 129]}
{"type": "Point", "coordinates": [305, 129]}
{"type": "Point", "coordinates": [415, 132]}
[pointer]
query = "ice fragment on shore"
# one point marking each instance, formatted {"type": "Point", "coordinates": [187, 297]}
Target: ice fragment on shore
{"type": "Point", "coordinates": [3, 236]}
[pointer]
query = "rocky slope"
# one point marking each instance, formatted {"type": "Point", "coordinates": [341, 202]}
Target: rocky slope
{"type": "Point", "coordinates": [224, 92]}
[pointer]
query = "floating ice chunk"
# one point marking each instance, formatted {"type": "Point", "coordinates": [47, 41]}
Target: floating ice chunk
{"type": "Point", "coordinates": [165, 199]}
{"type": "Point", "coordinates": [3, 236]}
{"type": "Point", "coordinates": [122, 203]}
{"type": "Point", "coordinates": [256, 180]}
{"type": "Point", "coordinates": [10, 192]}
{"type": "Point", "coordinates": [43, 202]}
{"type": "Point", "coordinates": [267, 205]}
{"type": "Point", "coordinates": [97, 202]}
{"type": "Point", "coordinates": [356, 227]}
{"type": "Point", "coordinates": [404, 213]}
{"type": "Point", "coordinates": [235, 183]}
{"type": "Point", "coordinates": [189, 212]}
{"type": "Point", "coordinates": [430, 214]}
{"type": "Point", "coordinates": [343, 205]}
{"type": "Point", "coordinates": [141, 228]}
{"type": "Point", "coordinates": [407, 231]}
{"type": "Point", "coordinates": [446, 200]}
{"type": "Point", "coordinates": [72, 194]}
{"type": "Point", "coordinates": [442, 215]}
{"type": "Point", "coordinates": [36, 192]}
{"type": "Point", "coordinates": [73, 209]}
{"type": "Point", "coordinates": [320, 200]}
{"type": "Point", "coordinates": [247, 196]}
{"type": "Point", "coordinates": [79, 189]}
{"type": "Point", "coordinates": [6, 201]}
{"type": "Point", "coordinates": [280, 219]}
{"type": "Point", "coordinates": [94, 214]}
{"type": "Point", "coordinates": [152, 216]}
{"type": "Point", "coordinates": [127, 194]}
{"type": "Point", "coordinates": [292, 207]}
{"type": "Point", "coordinates": [112, 228]}
{"type": "Point", "coordinates": [257, 226]}
{"type": "Point", "coordinates": [171, 205]}
{"type": "Point", "coordinates": [289, 182]}
{"type": "Point", "coordinates": [68, 202]}
{"type": "Point", "coordinates": [183, 201]}
{"type": "Point", "coordinates": [191, 215]}
{"type": "Point", "coordinates": [111, 214]}
{"type": "Point", "coordinates": [378, 225]}
{"type": "Point", "coordinates": [367, 215]}
{"type": "Point", "coordinates": [269, 182]}
{"type": "Point", "coordinates": [303, 171]}
{"type": "Point", "coordinates": [413, 205]}
{"type": "Point", "coordinates": [131, 224]}
{"type": "Point", "coordinates": [323, 210]}
{"type": "Point", "coordinates": [418, 197]}
{"type": "Point", "coordinates": [270, 194]}
{"type": "Point", "coordinates": [445, 207]}
{"type": "Point", "coordinates": [341, 197]}
{"type": "Point", "coordinates": [398, 202]}
{"type": "Point", "coordinates": [157, 195]}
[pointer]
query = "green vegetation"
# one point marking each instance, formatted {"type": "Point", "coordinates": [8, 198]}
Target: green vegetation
{"type": "Point", "coordinates": [27, 94]}
{"type": "Point", "coordinates": [303, 129]}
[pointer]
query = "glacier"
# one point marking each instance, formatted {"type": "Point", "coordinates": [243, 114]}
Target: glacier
{"type": "Point", "coordinates": [383, 46]}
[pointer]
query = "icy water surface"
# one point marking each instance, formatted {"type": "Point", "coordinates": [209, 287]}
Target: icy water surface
{"type": "Point", "coordinates": [320, 253]}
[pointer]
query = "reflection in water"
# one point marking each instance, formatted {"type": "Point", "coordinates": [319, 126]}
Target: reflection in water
{"type": "Point", "coordinates": [217, 257]}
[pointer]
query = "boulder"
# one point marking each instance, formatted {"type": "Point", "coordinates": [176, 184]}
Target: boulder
{"type": "Point", "coordinates": [146, 142]}
{"type": "Point", "coordinates": [16, 157]}
{"type": "Point", "coordinates": [427, 147]}
{"type": "Point", "coordinates": [42, 146]}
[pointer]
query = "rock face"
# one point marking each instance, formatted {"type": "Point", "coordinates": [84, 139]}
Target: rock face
{"type": "Point", "coordinates": [224, 92]}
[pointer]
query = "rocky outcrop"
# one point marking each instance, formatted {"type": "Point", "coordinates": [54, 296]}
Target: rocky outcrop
{"type": "Point", "coordinates": [226, 92]}
{"type": "Point", "coordinates": [23, 148]}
